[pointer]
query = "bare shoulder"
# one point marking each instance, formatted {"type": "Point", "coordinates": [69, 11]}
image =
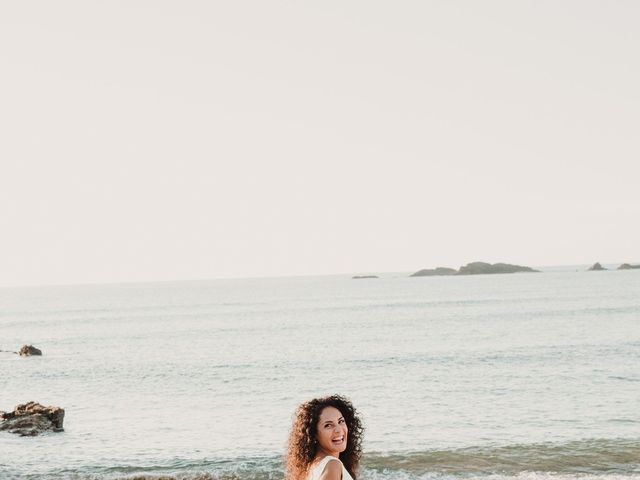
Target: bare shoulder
{"type": "Point", "coordinates": [332, 470]}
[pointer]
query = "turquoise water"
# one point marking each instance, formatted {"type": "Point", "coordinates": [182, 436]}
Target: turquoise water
{"type": "Point", "coordinates": [519, 376]}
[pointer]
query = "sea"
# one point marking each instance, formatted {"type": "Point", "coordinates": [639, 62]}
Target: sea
{"type": "Point", "coordinates": [526, 376]}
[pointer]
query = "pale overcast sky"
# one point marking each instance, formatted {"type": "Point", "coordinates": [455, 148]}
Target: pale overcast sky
{"type": "Point", "coordinates": [159, 140]}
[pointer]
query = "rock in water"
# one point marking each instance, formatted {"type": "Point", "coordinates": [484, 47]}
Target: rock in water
{"type": "Point", "coordinates": [474, 268]}
{"type": "Point", "coordinates": [628, 266]}
{"type": "Point", "coordinates": [433, 272]}
{"type": "Point", "coordinates": [28, 350]}
{"type": "Point", "coordinates": [482, 268]}
{"type": "Point", "coordinates": [596, 267]}
{"type": "Point", "coordinates": [31, 419]}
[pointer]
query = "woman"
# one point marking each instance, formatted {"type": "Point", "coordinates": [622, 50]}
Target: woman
{"type": "Point", "coordinates": [325, 441]}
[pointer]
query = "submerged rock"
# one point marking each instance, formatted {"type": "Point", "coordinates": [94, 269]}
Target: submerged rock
{"type": "Point", "coordinates": [28, 350]}
{"type": "Point", "coordinates": [31, 419]}
{"type": "Point", "coordinates": [596, 267]}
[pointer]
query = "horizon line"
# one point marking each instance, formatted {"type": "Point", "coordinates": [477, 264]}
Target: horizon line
{"type": "Point", "coordinates": [265, 277]}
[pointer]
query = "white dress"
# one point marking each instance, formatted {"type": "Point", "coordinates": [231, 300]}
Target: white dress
{"type": "Point", "coordinates": [315, 472]}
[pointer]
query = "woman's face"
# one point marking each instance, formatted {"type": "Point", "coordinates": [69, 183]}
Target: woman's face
{"type": "Point", "coordinates": [332, 432]}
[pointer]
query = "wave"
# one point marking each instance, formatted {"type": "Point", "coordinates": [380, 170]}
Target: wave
{"type": "Point", "coordinates": [597, 459]}
{"type": "Point", "coordinates": [578, 457]}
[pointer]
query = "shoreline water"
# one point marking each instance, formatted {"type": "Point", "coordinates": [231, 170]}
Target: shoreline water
{"type": "Point", "coordinates": [594, 458]}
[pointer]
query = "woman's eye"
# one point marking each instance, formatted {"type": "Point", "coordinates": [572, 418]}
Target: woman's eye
{"type": "Point", "coordinates": [341, 420]}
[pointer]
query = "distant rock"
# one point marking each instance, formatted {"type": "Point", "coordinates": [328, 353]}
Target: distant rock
{"type": "Point", "coordinates": [482, 268]}
{"type": "Point", "coordinates": [31, 419]}
{"type": "Point", "coordinates": [360, 277]}
{"type": "Point", "coordinates": [28, 350]}
{"type": "Point", "coordinates": [627, 266]}
{"type": "Point", "coordinates": [431, 272]}
{"type": "Point", "coordinates": [596, 267]}
{"type": "Point", "coordinates": [474, 268]}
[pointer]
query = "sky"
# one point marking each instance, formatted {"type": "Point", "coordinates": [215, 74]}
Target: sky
{"type": "Point", "coordinates": [169, 140]}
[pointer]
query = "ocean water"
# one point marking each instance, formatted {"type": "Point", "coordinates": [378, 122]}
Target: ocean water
{"type": "Point", "coordinates": [521, 376]}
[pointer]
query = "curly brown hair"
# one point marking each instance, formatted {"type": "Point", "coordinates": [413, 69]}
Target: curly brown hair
{"type": "Point", "coordinates": [303, 444]}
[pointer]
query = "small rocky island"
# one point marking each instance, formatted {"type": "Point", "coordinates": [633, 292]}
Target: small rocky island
{"type": "Point", "coordinates": [628, 266]}
{"type": "Point", "coordinates": [597, 267]}
{"type": "Point", "coordinates": [360, 277]}
{"type": "Point", "coordinates": [432, 272]}
{"type": "Point", "coordinates": [474, 268]}
{"type": "Point", "coordinates": [31, 419]}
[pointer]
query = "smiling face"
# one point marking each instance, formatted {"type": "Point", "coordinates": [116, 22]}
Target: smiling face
{"type": "Point", "coordinates": [332, 432]}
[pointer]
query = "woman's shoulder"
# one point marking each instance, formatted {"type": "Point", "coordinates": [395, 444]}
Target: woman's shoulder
{"type": "Point", "coordinates": [323, 462]}
{"type": "Point", "coordinates": [333, 468]}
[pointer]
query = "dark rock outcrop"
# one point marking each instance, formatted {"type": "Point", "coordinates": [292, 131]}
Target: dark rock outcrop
{"type": "Point", "coordinates": [596, 267]}
{"type": "Point", "coordinates": [474, 268]}
{"type": "Point", "coordinates": [431, 272]}
{"type": "Point", "coordinates": [28, 350]}
{"type": "Point", "coordinates": [482, 268]}
{"type": "Point", "coordinates": [628, 266]}
{"type": "Point", "coordinates": [360, 277]}
{"type": "Point", "coordinates": [31, 419]}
